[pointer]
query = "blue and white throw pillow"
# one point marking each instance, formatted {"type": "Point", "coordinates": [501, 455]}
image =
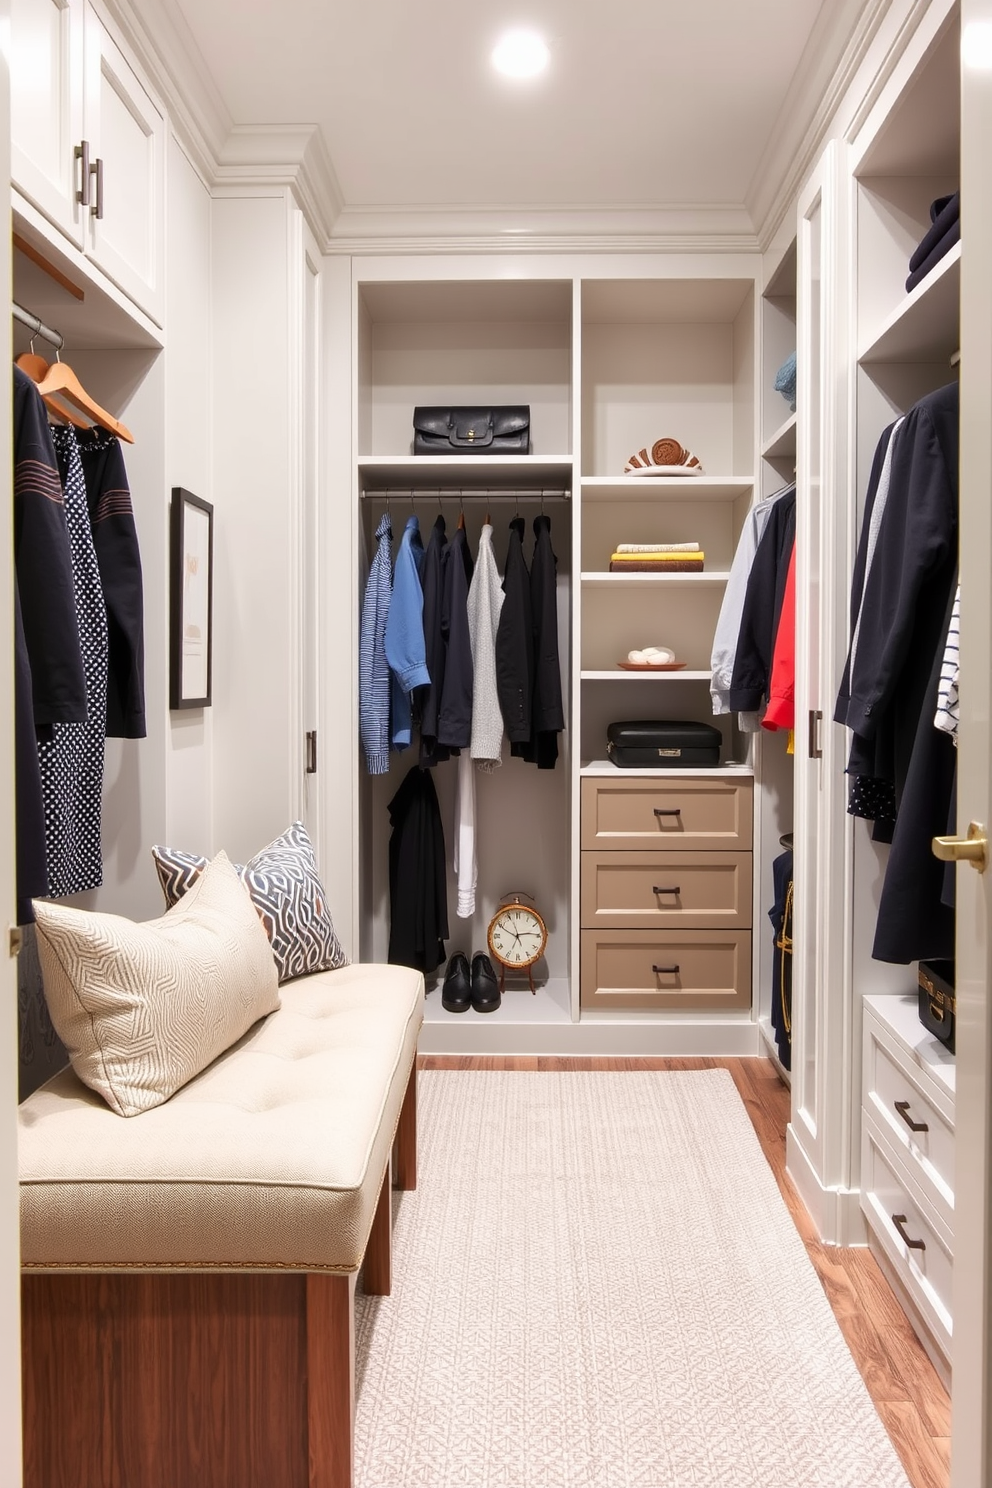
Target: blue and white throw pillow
{"type": "Point", "coordinates": [287, 893]}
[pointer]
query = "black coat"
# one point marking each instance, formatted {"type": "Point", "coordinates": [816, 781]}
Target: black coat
{"type": "Point", "coordinates": [115, 541]}
{"type": "Point", "coordinates": [49, 682]}
{"type": "Point", "coordinates": [418, 902]}
{"type": "Point", "coordinates": [547, 713]}
{"type": "Point", "coordinates": [515, 643]}
{"type": "Point", "coordinates": [454, 722]}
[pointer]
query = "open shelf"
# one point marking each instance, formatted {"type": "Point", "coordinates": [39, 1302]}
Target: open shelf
{"type": "Point", "coordinates": [924, 327]}
{"type": "Point", "coordinates": [782, 444]}
{"type": "Point", "coordinates": [599, 767]}
{"type": "Point", "coordinates": [665, 487]}
{"type": "Point", "coordinates": [609, 580]}
{"type": "Point", "coordinates": [451, 472]}
{"type": "Point", "coordinates": [621, 676]}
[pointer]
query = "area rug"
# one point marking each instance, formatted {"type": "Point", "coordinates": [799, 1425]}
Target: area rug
{"type": "Point", "coordinates": [597, 1285]}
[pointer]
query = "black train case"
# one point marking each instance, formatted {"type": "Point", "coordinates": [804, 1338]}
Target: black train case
{"type": "Point", "coordinates": [663, 744]}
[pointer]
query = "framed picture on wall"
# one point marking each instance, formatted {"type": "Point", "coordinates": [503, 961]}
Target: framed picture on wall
{"type": "Point", "coordinates": [191, 600]}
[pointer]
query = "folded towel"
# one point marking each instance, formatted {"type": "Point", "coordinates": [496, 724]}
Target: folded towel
{"type": "Point", "coordinates": [785, 381]}
{"type": "Point", "coordinates": [695, 556]}
{"type": "Point", "coordinates": [658, 547]}
{"type": "Point", "coordinates": [944, 212]}
{"type": "Point", "coordinates": [663, 452]}
{"type": "Point", "coordinates": [689, 563]}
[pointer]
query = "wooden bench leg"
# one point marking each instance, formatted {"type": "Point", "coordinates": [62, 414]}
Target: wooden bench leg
{"type": "Point", "coordinates": [405, 1146]}
{"type": "Point", "coordinates": [331, 1380]}
{"type": "Point", "coordinates": [377, 1268]}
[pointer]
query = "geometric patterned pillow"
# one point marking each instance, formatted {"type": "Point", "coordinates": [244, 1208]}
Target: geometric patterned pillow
{"type": "Point", "coordinates": [285, 889]}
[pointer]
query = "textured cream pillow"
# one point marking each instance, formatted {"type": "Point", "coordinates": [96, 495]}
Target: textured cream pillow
{"type": "Point", "coordinates": [142, 1008]}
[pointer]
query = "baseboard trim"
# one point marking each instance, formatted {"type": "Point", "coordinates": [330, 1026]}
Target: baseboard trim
{"type": "Point", "coordinates": [836, 1212]}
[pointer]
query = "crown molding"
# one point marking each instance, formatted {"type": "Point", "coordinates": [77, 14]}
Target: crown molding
{"type": "Point", "coordinates": [293, 155]}
{"type": "Point", "coordinates": [157, 32]}
{"type": "Point", "coordinates": [837, 48]}
{"type": "Point", "coordinates": [720, 229]}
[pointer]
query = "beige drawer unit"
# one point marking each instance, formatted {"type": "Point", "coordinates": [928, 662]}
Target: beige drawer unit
{"type": "Point", "coordinates": [914, 1113]}
{"type": "Point", "coordinates": [911, 1234]}
{"type": "Point", "coordinates": [699, 812]}
{"type": "Point", "coordinates": [671, 890]}
{"type": "Point", "coordinates": [666, 969]}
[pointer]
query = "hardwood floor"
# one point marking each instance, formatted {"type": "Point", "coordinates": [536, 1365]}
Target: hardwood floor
{"type": "Point", "coordinates": [902, 1382]}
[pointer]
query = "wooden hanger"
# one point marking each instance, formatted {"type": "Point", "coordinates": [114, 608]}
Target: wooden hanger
{"type": "Point", "coordinates": [58, 384]}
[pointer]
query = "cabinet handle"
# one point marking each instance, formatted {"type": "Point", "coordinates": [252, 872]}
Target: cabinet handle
{"type": "Point", "coordinates": [82, 152]}
{"type": "Point", "coordinates": [815, 719]}
{"type": "Point", "coordinates": [668, 811]}
{"type": "Point", "coordinates": [311, 764]}
{"type": "Point", "coordinates": [899, 1220]}
{"type": "Point", "coordinates": [657, 890]}
{"type": "Point", "coordinates": [97, 170]}
{"type": "Point", "coordinates": [903, 1108]}
{"type": "Point", "coordinates": [666, 970]}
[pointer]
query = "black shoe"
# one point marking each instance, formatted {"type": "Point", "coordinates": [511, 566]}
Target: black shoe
{"type": "Point", "coordinates": [485, 985]}
{"type": "Point", "coordinates": [456, 994]}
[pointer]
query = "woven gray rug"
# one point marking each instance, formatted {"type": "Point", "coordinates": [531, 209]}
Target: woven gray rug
{"type": "Point", "coordinates": [598, 1285]}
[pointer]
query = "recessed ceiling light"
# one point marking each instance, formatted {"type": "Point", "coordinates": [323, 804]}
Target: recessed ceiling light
{"type": "Point", "coordinates": [521, 54]}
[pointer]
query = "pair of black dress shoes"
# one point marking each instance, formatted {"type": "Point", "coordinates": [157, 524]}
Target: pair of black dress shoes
{"type": "Point", "coordinates": [478, 988]}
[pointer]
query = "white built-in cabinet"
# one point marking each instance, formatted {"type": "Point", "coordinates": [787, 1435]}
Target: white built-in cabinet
{"type": "Point", "coordinates": [88, 143]}
{"type": "Point", "coordinates": [610, 357]}
{"type": "Point", "coordinates": [868, 350]}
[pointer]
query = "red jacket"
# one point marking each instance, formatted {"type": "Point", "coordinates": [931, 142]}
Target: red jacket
{"type": "Point", "coordinates": [781, 710]}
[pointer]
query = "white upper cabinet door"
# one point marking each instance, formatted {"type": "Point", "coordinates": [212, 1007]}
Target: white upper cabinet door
{"type": "Point", "coordinates": [46, 102]}
{"type": "Point", "coordinates": [126, 130]}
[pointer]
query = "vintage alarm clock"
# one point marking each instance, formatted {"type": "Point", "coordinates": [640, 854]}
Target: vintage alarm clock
{"type": "Point", "coordinates": [517, 937]}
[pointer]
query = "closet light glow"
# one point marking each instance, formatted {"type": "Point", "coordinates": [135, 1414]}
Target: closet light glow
{"type": "Point", "coordinates": [521, 54]}
{"type": "Point", "coordinates": [976, 46]}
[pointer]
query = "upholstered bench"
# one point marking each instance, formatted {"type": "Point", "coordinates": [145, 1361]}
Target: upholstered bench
{"type": "Point", "coordinates": [188, 1302]}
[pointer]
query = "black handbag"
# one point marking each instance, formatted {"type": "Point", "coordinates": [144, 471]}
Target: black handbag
{"type": "Point", "coordinates": [663, 743]}
{"type": "Point", "coordinates": [472, 431]}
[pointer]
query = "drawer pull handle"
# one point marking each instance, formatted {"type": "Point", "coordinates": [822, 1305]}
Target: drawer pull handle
{"type": "Point", "coordinates": [657, 890]}
{"type": "Point", "coordinates": [899, 1220]}
{"type": "Point", "coordinates": [903, 1108]}
{"type": "Point", "coordinates": [666, 970]}
{"type": "Point", "coordinates": [668, 811]}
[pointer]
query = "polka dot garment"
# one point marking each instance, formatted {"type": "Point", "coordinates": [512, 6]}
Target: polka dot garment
{"type": "Point", "coordinates": [72, 760]}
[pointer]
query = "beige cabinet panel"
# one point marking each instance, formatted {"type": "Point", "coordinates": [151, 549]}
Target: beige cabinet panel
{"type": "Point", "coordinates": [46, 108]}
{"type": "Point", "coordinates": [666, 969]}
{"type": "Point", "coordinates": [699, 812]}
{"type": "Point", "coordinates": [684, 890]}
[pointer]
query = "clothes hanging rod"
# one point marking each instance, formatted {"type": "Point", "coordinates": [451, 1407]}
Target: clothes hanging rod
{"type": "Point", "coordinates": [37, 327]}
{"type": "Point", "coordinates": [447, 493]}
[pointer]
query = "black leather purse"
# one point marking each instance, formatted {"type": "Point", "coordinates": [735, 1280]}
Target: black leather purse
{"type": "Point", "coordinates": [467, 431]}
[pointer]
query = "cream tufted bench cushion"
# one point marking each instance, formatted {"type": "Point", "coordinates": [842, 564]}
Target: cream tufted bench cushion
{"type": "Point", "coordinates": [271, 1158]}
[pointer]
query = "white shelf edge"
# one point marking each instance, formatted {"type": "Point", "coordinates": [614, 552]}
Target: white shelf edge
{"type": "Point", "coordinates": [618, 675]}
{"type": "Point", "coordinates": [596, 578]}
{"type": "Point", "coordinates": [595, 769]}
{"type": "Point", "coordinates": [782, 442]}
{"type": "Point", "coordinates": [666, 487]}
{"type": "Point", "coordinates": [887, 343]}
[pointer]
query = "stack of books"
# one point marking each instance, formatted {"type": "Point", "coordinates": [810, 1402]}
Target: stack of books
{"type": "Point", "coordinates": [657, 558]}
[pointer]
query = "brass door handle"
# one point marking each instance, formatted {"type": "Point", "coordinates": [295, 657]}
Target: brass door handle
{"type": "Point", "coordinates": [973, 849]}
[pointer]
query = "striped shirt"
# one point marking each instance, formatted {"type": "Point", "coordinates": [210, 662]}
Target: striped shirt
{"type": "Point", "coordinates": [947, 689]}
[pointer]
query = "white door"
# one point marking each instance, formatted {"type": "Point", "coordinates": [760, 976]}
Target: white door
{"type": "Point", "coordinates": [46, 109]}
{"type": "Point", "coordinates": [311, 533]}
{"type": "Point", "coordinates": [971, 1454]}
{"type": "Point", "coordinates": [126, 129]}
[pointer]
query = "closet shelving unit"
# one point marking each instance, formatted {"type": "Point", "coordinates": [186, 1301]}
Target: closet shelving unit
{"type": "Point", "coordinates": [607, 364]}
{"type": "Point", "coordinates": [907, 154]}
{"type": "Point", "coordinates": [774, 798]}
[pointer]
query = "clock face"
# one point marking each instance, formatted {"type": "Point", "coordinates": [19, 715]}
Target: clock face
{"type": "Point", "coordinates": [517, 935]}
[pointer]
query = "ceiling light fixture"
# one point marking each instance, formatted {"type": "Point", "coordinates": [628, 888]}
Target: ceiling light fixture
{"type": "Point", "coordinates": [521, 54]}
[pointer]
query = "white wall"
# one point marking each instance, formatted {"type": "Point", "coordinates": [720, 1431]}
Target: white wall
{"type": "Point", "coordinates": [188, 463]}
{"type": "Point", "coordinates": [258, 753]}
